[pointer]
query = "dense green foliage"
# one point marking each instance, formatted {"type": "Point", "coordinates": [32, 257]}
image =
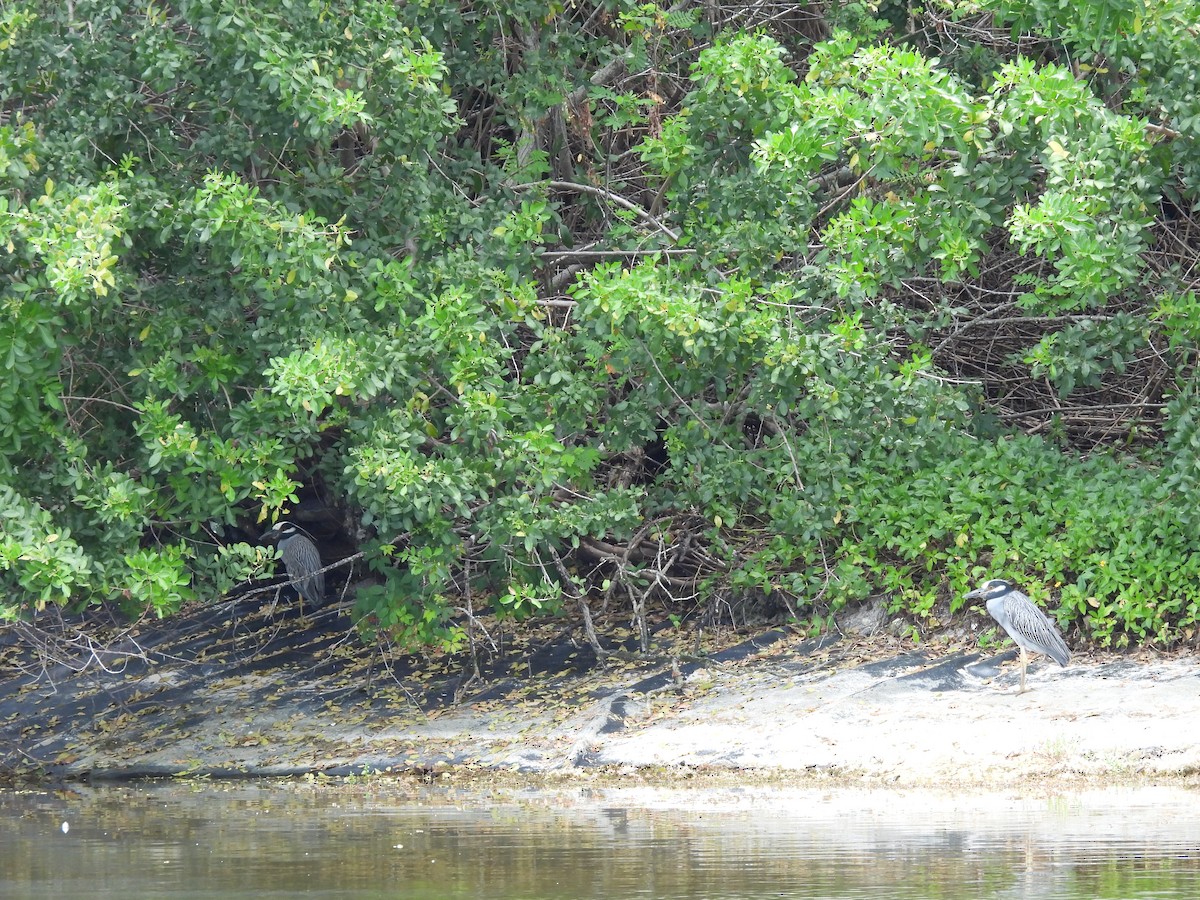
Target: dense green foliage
{"type": "Point", "coordinates": [553, 300]}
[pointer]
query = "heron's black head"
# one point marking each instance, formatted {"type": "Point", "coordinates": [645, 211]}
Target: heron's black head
{"type": "Point", "coordinates": [994, 587]}
{"type": "Point", "coordinates": [279, 531]}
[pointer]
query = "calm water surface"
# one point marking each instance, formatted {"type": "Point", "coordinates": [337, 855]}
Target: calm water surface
{"type": "Point", "coordinates": [382, 840]}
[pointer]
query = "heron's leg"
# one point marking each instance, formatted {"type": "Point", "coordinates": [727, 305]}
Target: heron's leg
{"type": "Point", "coordinates": [1024, 663]}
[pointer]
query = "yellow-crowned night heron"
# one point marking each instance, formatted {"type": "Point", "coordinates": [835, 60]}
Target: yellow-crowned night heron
{"type": "Point", "coordinates": [1025, 623]}
{"type": "Point", "coordinates": [302, 560]}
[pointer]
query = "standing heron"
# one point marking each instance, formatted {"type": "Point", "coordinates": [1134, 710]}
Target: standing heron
{"type": "Point", "coordinates": [302, 560]}
{"type": "Point", "coordinates": [1025, 623]}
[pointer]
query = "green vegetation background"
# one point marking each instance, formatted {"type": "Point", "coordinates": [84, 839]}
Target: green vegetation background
{"type": "Point", "coordinates": [547, 301]}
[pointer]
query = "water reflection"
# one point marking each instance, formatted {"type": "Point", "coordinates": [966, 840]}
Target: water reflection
{"type": "Point", "coordinates": [384, 840]}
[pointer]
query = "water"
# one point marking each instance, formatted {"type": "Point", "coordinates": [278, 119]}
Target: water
{"type": "Point", "coordinates": [380, 839]}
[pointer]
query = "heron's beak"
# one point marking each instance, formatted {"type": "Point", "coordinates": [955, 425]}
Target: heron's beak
{"type": "Point", "coordinates": [974, 595]}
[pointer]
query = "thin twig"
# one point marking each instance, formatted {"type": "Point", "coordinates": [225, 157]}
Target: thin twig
{"type": "Point", "coordinates": [595, 191]}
